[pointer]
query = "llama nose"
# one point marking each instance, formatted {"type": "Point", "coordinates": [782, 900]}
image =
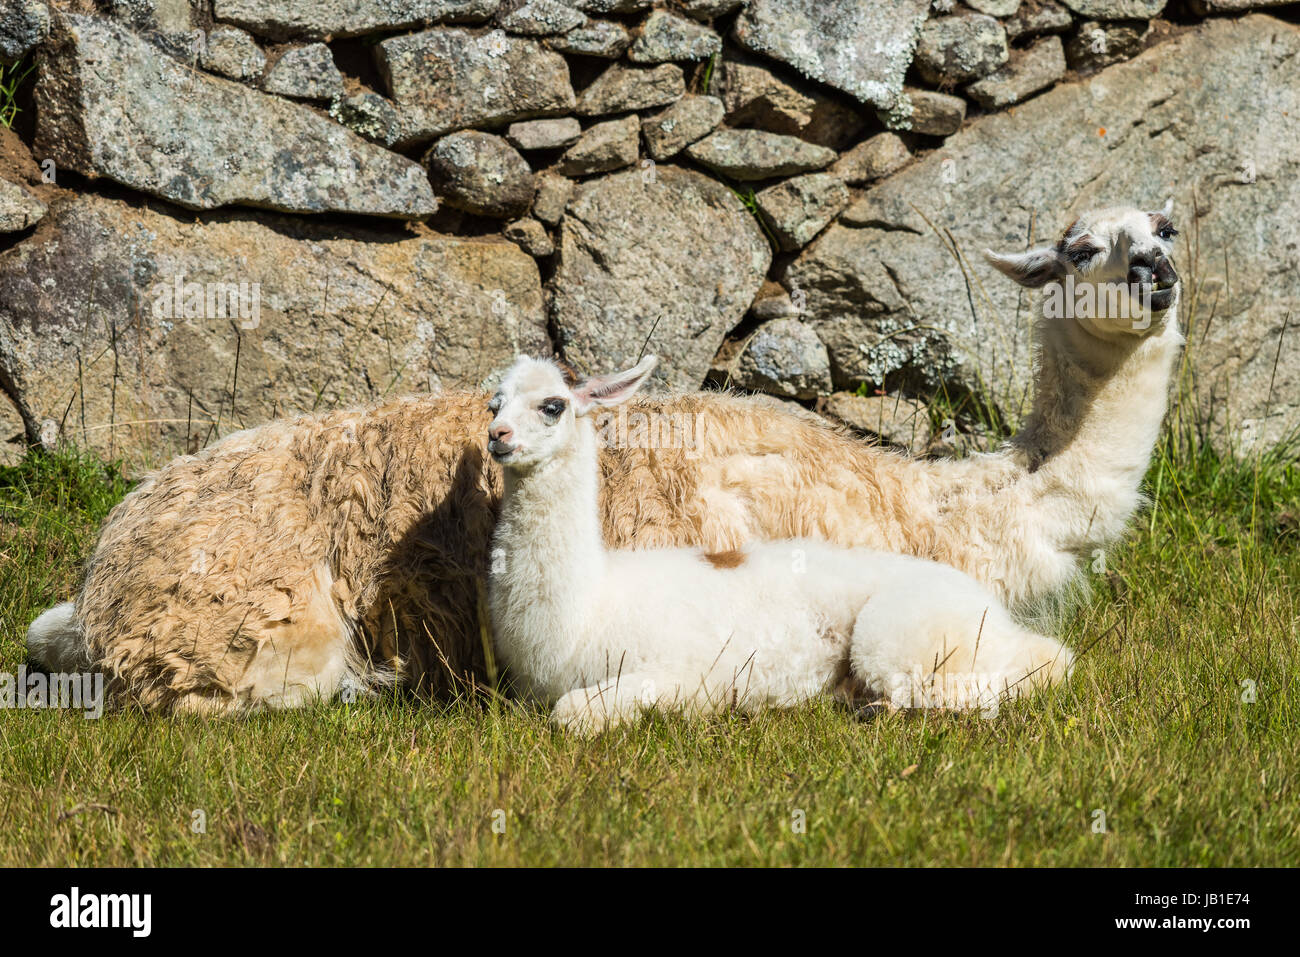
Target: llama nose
{"type": "Point", "coordinates": [1139, 273]}
{"type": "Point", "coordinates": [500, 433]}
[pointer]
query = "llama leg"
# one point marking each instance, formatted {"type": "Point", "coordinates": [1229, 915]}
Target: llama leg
{"type": "Point", "coordinates": [607, 704]}
{"type": "Point", "coordinates": [306, 657]}
{"type": "Point", "coordinates": [289, 648]}
{"type": "Point", "coordinates": [961, 650]}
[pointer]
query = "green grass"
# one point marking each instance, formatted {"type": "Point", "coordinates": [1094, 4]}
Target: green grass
{"type": "Point", "coordinates": [1152, 730]}
{"type": "Point", "coordinates": [11, 78]}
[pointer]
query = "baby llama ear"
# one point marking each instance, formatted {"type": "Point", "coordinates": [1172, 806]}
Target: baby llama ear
{"type": "Point", "coordinates": [1034, 268]}
{"type": "Point", "coordinates": [614, 389]}
{"type": "Point", "coordinates": [1167, 211]}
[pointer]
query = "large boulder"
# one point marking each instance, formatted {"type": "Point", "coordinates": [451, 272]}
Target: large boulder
{"type": "Point", "coordinates": [600, 38]}
{"type": "Point", "coordinates": [109, 103]}
{"type": "Point", "coordinates": [755, 96]}
{"type": "Point", "coordinates": [19, 209]}
{"type": "Point", "coordinates": [1211, 118]}
{"type": "Point", "coordinates": [305, 73]}
{"type": "Point", "coordinates": [274, 316]}
{"type": "Point", "coordinates": [665, 259]}
{"type": "Point", "coordinates": [1117, 9]}
{"type": "Point", "coordinates": [784, 357]}
{"type": "Point", "coordinates": [318, 19]}
{"type": "Point", "coordinates": [665, 38]}
{"type": "Point", "coordinates": [446, 79]}
{"type": "Point", "coordinates": [481, 174]}
{"type": "Point", "coordinates": [861, 47]}
{"type": "Point", "coordinates": [23, 24]}
{"type": "Point", "coordinates": [755, 154]}
{"type": "Point", "coordinates": [622, 88]}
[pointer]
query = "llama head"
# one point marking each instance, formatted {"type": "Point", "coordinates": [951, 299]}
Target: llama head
{"type": "Point", "coordinates": [537, 408]}
{"type": "Point", "coordinates": [1110, 271]}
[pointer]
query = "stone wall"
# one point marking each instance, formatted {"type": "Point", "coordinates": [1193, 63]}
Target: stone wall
{"type": "Point", "coordinates": [219, 211]}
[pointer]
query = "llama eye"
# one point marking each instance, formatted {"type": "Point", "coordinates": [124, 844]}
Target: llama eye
{"type": "Point", "coordinates": [1167, 233]}
{"type": "Point", "coordinates": [1079, 255]}
{"type": "Point", "coordinates": [552, 408]}
{"type": "Point", "coordinates": [495, 404]}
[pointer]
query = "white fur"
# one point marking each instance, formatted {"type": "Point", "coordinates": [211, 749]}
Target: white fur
{"type": "Point", "coordinates": [601, 634]}
{"type": "Point", "coordinates": [54, 640]}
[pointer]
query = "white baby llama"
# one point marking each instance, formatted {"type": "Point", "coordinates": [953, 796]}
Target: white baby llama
{"type": "Point", "coordinates": [601, 634]}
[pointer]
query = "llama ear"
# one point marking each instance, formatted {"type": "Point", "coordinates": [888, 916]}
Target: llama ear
{"type": "Point", "coordinates": [614, 389]}
{"type": "Point", "coordinates": [1167, 211]}
{"type": "Point", "coordinates": [1034, 268]}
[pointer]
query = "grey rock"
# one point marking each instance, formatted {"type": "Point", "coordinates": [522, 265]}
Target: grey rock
{"type": "Point", "coordinates": [335, 316]}
{"type": "Point", "coordinates": [935, 114]}
{"type": "Point", "coordinates": [544, 134]}
{"type": "Point", "coordinates": [894, 307]}
{"type": "Point", "coordinates": [1046, 16]}
{"type": "Point", "coordinates": [671, 130]}
{"type": "Point", "coordinates": [772, 302]}
{"type": "Point", "coordinates": [446, 79]}
{"type": "Point", "coordinates": [23, 25]}
{"type": "Point", "coordinates": [677, 249]}
{"type": "Point", "coordinates": [305, 73]}
{"type": "Point", "coordinates": [553, 194]}
{"type": "Point", "coordinates": [530, 236]}
{"type": "Point", "coordinates": [872, 159]}
{"type": "Point", "coordinates": [800, 208]}
{"type": "Point", "coordinates": [543, 18]}
{"type": "Point", "coordinates": [599, 38]}
{"type": "Point", "coordinates": [606, 146]}
{"type": "Point", "coordinates": [784, 357]}
{"type": "Point", "coordinates": [896, 419]}
{"type": "Point", "coordinates": [318, 19]}
{"type": "Point", "coordinates": [612, 6]}
{"type": "Point", "coordinates": [201, 141]}
{"type": "Point", "coordinates": [708, 9]}
{"type": "Point", "coordinates": [1026, 73]}
{"type": "Point", "coordinates": [621, 89]}
{"type": "Point", "coordinates": [665, 38]}
{"type": "Point", "coordinates": [167, 17]}
{"type": "Point", "coordinates": [1117, 9]}
{"type": "Point", "coordinates": [19, 209]}
{"type": "Point", "coordinates": [481, 174]}
{"type": "Point", "coordinates": [1204, 8]}
{"type": "Point", "coordinates": [754, 154]}
{"type": "Point", "coordinates": [233, 53]}
{"type": "Point", "coordinates": [861, 47]}
{"type": "Point", "coordinates": [369, 115]}
{"type": "Point", "coordinates": [756, 97]}
{"type": "Point", "coordinates": [960, 48]}
{"type": "Point", "coordinates": [994, 8]}
{"type": "Point", "coordinates": [1098, 45]}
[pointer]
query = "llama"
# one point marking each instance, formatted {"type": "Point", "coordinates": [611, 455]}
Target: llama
{"type": "Point", "coordinates": [601, 634]}
{"type": "Point", "coordinates": [287, 560]}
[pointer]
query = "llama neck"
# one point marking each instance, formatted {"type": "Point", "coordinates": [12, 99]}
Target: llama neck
{"type": "Point", "coordinates": [1099, 405]}
{"type": "Point", "coordinates": [548, 556]}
